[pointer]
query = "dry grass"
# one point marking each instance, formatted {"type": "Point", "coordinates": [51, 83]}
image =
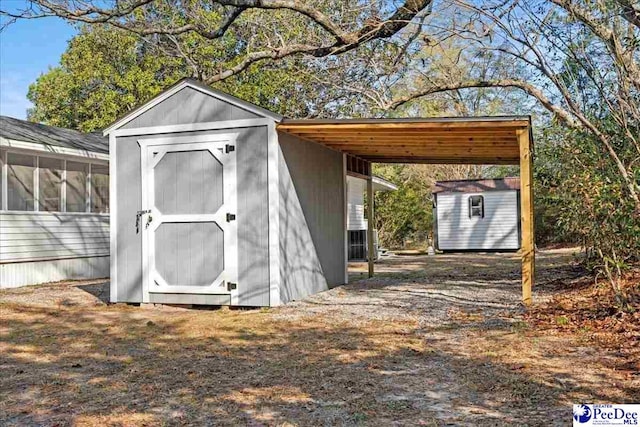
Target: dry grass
{"type": "Point", "coordinates": [68, 359]}
{"type": "Point", "coordinates": [86, 366]}
{"type": "Point", "coordinates": [589, 310]}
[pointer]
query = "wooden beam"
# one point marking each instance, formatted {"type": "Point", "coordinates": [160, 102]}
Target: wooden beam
{"type": "Point", "coordinates": [429, 151]}
{"type": "Point", "coordinates": [432, 152]}
{"type": "Point", "coordinates": [370, 224]}
{"type": "Point", "coordinates": [526, 216]}
{"type": "Point", "coordinates": [509, 124]}
{"type": "Point", "coordinates": [482, 132]}
{"type": "Point", "coordinates": [447, 160]}
{"type": "Point", "coordinates": [466, 142]}
{"type": "Point", "coordinates": [391, 146]}
{"type": "Point", "coordinates": [426, 157]}
{"type": "Point", "coordinates": [409, 134]}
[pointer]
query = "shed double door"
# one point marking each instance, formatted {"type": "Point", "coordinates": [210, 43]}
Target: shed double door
{"type": "Point", "coordinates": [188, 217]}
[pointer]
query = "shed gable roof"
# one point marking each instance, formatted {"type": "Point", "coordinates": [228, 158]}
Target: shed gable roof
{"type": "Point", "coordinates": [199, 88]}
{"type": "Point", "coordinates": [476, 185]}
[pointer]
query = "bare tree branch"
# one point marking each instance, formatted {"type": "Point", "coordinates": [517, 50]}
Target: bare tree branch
{"type": "Point", "coordinates": [607, 35]}
{"type": "Point", "coordinates": [565, 116]}
{"type": "Point", "coordinates": [630, 12]}
{"type": "Point", "coordinates": [530, 89]}
{"type": "Point", "coordinates": [373, 28]}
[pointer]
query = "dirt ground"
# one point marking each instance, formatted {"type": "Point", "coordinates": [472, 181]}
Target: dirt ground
{"type": "Point", "coordinates": [429, 341]}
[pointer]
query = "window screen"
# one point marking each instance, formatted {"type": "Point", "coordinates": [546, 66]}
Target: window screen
{"type": "Point", "coordinates": [476, 206]}
{"type": "Point", "coordinates": [99, 189]}
{"type": "Point", "coordinates": [50, 184]}
{"type": "Point", "coordinates": [20, 189]}
{"type": "Point", "coordinates": [77, 186]}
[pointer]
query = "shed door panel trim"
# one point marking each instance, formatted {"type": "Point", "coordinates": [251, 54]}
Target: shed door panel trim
{"type": "Point", "coordinates": [188, 215]}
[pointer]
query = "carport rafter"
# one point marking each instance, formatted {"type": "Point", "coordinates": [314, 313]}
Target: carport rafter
{"type": "Point", "coordinates": [460, 140]}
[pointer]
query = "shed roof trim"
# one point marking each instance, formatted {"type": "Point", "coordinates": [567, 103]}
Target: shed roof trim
{"type": "Point", "coordinates": [381, 184]}
{"type": "Point", "coordinates": [200, 87]}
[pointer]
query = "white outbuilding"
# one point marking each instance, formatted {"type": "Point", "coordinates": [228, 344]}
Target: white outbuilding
{"type": "Point", "coordinates": [477, 215]}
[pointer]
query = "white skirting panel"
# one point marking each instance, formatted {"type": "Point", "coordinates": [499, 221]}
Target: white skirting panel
{"type": "Point", "coordinates": [13, 275]}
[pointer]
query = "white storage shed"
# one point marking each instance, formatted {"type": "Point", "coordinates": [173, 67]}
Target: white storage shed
{"type": "Point", "coordinates": [477, 215]}
{"type": "Point", "coordinates": [211, 205]}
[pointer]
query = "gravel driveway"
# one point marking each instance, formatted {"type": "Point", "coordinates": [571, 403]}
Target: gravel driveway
{"type": "Point", "coordinates": [430, 288]}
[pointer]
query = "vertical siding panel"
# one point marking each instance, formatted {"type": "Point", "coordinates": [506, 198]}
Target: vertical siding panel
{"type": "Point", "coordinates": [188, 106]}
{"type": "Point", "coordinates": [129, 255]}
{"type": "Point", "coordinates": [311, 217]}
{"type": "Point", "coordinates": [252, 217]}
{"type": "Point", "coordinates": [497, 230]}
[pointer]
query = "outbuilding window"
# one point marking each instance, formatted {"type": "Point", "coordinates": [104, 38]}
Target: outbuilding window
{"type": "Point", "coordinates": [476, 206]}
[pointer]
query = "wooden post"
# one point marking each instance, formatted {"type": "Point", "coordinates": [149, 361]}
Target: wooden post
{"type": "Point", "coordinates": [370, 253]}
{"type": "Point", "coordinates": [526, 215]}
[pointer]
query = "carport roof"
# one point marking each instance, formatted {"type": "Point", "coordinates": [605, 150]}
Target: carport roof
{"type": "Point", "coordinates": [462, 140]}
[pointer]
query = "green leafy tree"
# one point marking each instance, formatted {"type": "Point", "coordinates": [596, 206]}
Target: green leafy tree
{"type": "Point", "coordinates": [103, 74]}
{"type": "Point", "coordinates": [405, 215]}
{"type": "Point", "coordinates": [106, 72]}
{"type": "Point", "coordinates": [589, 205]}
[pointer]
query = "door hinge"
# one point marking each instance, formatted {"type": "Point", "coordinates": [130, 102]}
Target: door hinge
{"type": "Point", "coordinates": [229, 148]}
{"type": "Point", "coordinates": [231, 217]}
{"type": "Point", "coordinates": [231, 286]}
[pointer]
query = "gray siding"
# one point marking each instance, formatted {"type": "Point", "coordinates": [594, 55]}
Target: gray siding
{"type": "Point", "coordinates": [32, 236]}
{"type": "Point", "coordinates": [312, 253]}
{"type": "Point", "coordinates": [498, 230]}
{"type": "Point", "coordinates": [252, 216]}
{"type": "Point", "coordinates": [129, 201]}
{"type": "Point", "coordinates": [189, 106]}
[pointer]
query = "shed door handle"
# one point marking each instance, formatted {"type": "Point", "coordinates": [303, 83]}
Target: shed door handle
{"type": "Point", "coordinates": [138, 216]}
